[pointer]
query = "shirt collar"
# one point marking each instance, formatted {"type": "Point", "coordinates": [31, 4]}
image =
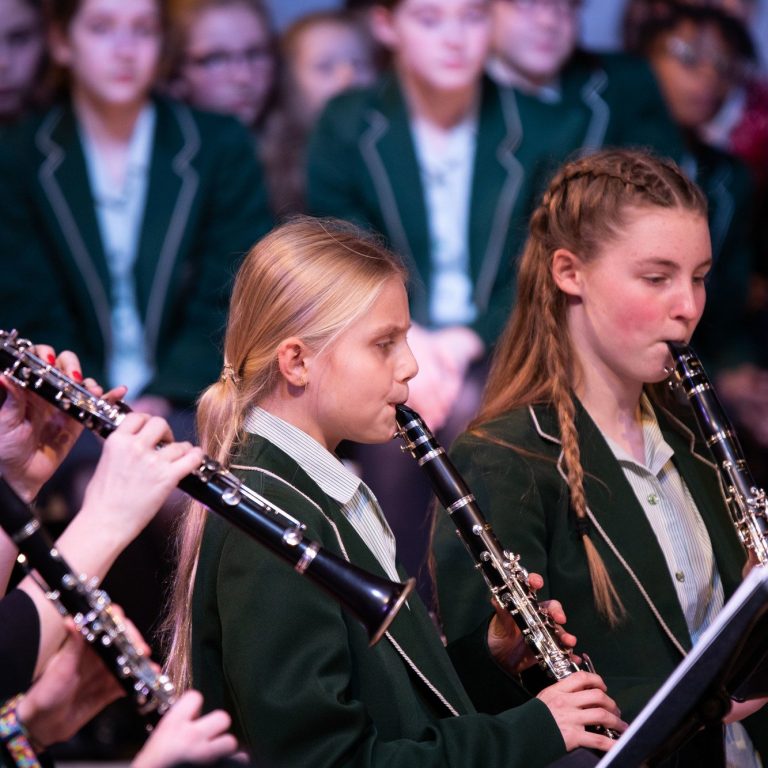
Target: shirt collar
{"type": "Point", "coordinates": [139, 152]}
{"type": "Point", "coordinates": [550, 93]}
{"type": "Point", "coordinates": [321, 465]}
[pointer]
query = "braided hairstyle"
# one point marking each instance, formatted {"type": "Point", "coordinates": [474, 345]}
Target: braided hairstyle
{"type": "Point", "coordinates": [586, 205]}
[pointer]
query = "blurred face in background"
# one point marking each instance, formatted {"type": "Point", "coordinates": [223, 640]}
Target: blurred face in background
{"type": "Point", "coordinates": [534, 38]}
{"type": "Point", "coordinates": [439, 45]}
{"type": "Point", "coordinates": [229, 63]}
{"type": "Point", "coordinates": [22, 46]}
{"type": "Point", "coordinates": [695, 68]}
{"type": "Point", "coordinates": [111, 49]}
{"type": "Point", "coordinates": [326, 58]}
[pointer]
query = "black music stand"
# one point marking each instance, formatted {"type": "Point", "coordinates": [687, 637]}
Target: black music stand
{"type": "Point", "coordinates": [729, 660]}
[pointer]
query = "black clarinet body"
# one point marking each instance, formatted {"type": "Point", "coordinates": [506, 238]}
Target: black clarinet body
{"type": "Point", "coordinates": [746, 502]}
{"type": "Point", "coordinates": [505, 577]}
{"type": "Point", "coordinates": [372, 600]}
{"type": "Point", "coordinates": [90, 608]}
{"type": "Point", "coordinates": [507, 580]}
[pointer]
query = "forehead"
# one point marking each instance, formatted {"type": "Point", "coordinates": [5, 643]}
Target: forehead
{"type": "Point", "coordinates": [704, 31]}
{"type": "Point", "coordinates": [440, 6]}
{"type": "Point", "coordinates": [325, 35]}
{"type": "Point", "coordinates": [222, 24]}
{"type": "Point", "coordinates": [387, 314]}
{"type": "Point", "coordinates": [122, 7]}
{"type": "Point", "coordinates": [674, 235]}
{"type": "Point", "coordinates": [17, 13]}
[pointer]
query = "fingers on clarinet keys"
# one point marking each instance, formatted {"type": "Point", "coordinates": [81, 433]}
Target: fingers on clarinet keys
{"type": "Point", "coordinates": [580, 706]}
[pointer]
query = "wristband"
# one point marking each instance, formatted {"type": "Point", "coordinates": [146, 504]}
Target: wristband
{"type": "Point", "coordinates": [14, 737]}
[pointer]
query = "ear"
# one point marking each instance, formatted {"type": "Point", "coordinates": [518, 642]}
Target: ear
{"type": "Point", "coordinates": [58, 46]}
{"type": "Point", "coordinates": [568, 271]}
{"type": "Point", "coordinates": [382, 26]}
{"type": "Point", "coordinates": [292, 359]}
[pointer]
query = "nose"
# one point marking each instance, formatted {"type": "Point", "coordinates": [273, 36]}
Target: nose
{"type": "Point", "coordinates": [125, 42]}
{"type": "Point", "coordinates": [240, 69]}
{"type": "Point", "coordinates": [453, 32]}
{"type": "Point", "coordinates": [345, 75]}
{"type": "Point", "coordinates": [407, 365]}
{"type": "Point", "coordinates": [689, 302]}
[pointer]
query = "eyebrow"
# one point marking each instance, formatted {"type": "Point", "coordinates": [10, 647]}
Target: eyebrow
{"type": "Point", "coordinates": [386, 330]}
{"type": "Point", "coordinates": [671, 264]}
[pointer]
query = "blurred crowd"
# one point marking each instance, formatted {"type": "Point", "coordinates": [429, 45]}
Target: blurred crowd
{"type": "Point", "coordinates": [145, 145]}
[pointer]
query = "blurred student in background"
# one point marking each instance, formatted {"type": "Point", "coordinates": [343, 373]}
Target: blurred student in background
{"type": "Point", "coordinates": [123, 216]}
{"type": "Point", "coordinates": [321, 54]}
{"type": "Point", "coordinates": [22, 54]}
{"type": "Point", "coordinates": [224, 57]}
{"type": "Point", "coordinates": [698, 55]}
{"type": "Point", "coordinates": [596, 100]}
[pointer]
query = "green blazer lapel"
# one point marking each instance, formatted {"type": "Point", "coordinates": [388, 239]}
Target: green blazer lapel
{"type": "Point", "coordinates": [63, 178]}
{"type": "Point", "coordinates": [619, 527]}
{"type": "Point", "coordinates": [717, 184]}
{"type": "Point", "coordinates": [387, 149]}
{"type": "Point", "coordinates": [412, 633]}
{"type": "Point", "coordinates": [584, 82]}
{"type": "Point", "coordinates": [498, 178]}
{"type": "Point", "coordinates": [172, 189]}
{"type": "Point", "coordinates": [709, 497]}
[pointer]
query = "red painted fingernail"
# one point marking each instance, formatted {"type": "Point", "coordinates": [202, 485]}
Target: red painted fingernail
{"type": "Point", "coordinates": [51, 359]}
{"type": "Point", "coordinates": [77, 376]}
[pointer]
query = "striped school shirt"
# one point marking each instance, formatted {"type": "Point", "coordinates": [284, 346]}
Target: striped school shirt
{"type": "Point", "coordinates": [685, 543]}
{"type": "Point", "coordinates": [358, 504]}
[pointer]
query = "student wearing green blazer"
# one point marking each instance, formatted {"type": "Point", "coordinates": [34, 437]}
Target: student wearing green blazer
{"type": "Point", "coordinates": [574, 458]}
{"type": "Point", "coordinates": [329, 362]}
{"type": "Point", "coordinates": [698, 55]}
{"type": "Point", "coordinates": [123, 216]}
{"type": "Point", "coordinates": [595, 100]}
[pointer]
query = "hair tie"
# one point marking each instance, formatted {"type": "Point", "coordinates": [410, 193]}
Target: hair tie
{"type": "Point", "coordinates": [228, 372]}
{"type": "Point", "coordinates": [582, 526]}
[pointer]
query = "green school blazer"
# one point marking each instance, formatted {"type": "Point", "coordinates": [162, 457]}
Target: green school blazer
{"type": "Point", "coordinates": [206, 205]}
{"type": "Point", "coordinates": [296, 673]}
{"type": "Point", "coordinates": [722, 338]}
{"type": "Point", "coordinates": [362, 166]}
{"type": "Point", "coordinates": [613, 100]}
{"type": "Point", "coordinates": [521, 492]}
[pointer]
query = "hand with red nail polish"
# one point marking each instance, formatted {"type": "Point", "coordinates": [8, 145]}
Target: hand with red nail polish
{"type": "Point", "coordinates": [34, 436]}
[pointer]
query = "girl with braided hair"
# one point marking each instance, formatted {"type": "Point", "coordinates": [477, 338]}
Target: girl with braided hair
{"type": "Point", "coordinates": [577, 459]}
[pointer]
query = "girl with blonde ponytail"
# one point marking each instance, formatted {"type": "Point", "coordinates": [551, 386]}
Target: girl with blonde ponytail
{"type": "Point", "coordinates": [315, 353]}
{"type": "Point", "coordinates": [576, 457]}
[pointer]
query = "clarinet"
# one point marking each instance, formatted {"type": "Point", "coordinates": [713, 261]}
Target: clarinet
{"type": "Point", "coordinates": [89, 607]}
{"type": "Point", "coordinates": [372, 600]}
{"type": "Point", "coordinates": [506, 578]}
{"type": "Point", "coordinates": [746, 502]}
